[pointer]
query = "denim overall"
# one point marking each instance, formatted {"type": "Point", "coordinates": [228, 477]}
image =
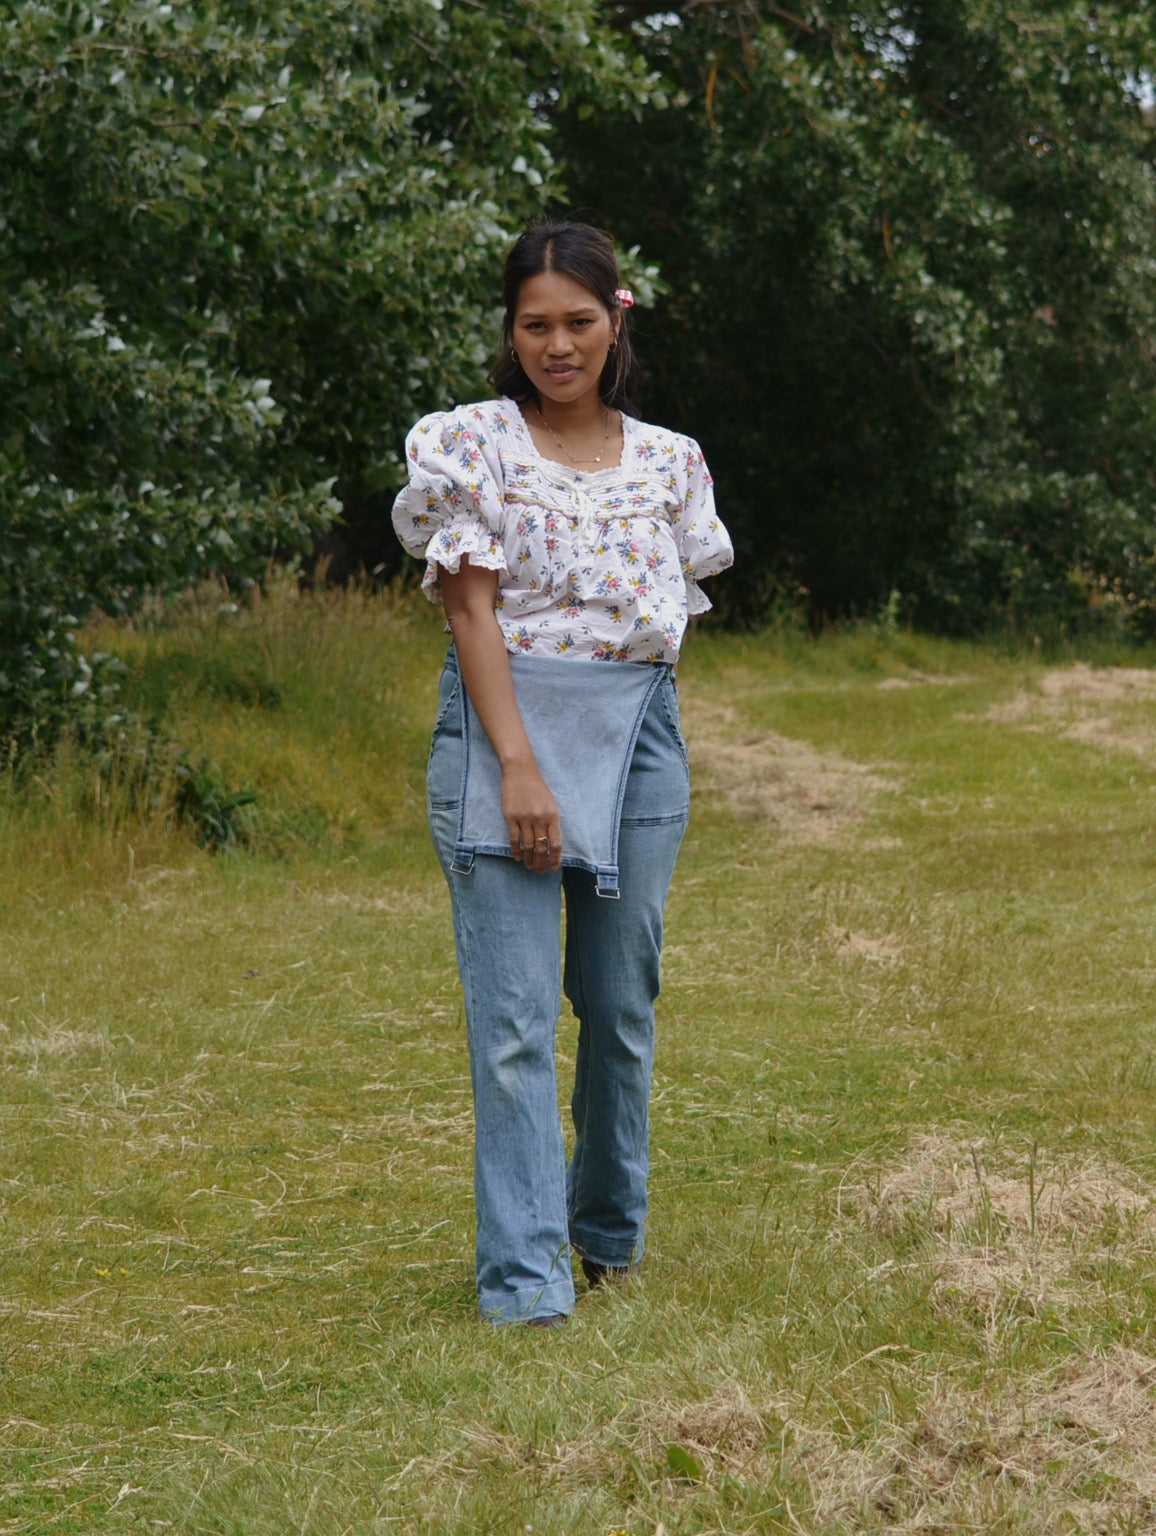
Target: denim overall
{"type": "Point", "coordinates": [607, 739]}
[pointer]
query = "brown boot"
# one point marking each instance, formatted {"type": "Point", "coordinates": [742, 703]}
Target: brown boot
{"type": "Point", "coordinates": [604, 1274]}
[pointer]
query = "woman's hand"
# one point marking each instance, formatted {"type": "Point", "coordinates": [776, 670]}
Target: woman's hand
{"type": "Point", "coordinates": [531, 814]}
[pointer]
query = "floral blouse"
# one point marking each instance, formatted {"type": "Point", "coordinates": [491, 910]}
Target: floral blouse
{"type": "Point", "coordinates": [601, 565]}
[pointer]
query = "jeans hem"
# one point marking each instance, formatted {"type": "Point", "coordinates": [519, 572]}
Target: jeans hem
{"type": "Point", "coordinates": [596, 1250]}
{"type": "Point", "coordinates": [521, 1306]}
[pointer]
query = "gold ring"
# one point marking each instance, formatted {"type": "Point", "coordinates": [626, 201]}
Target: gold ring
{"type": "Point", "coordinates": [545, 840]}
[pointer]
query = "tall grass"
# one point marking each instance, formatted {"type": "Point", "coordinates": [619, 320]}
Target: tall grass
{"type": "Point", "coordinates": [900, 1261]}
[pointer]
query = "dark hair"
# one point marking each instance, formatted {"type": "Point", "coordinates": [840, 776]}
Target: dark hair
{"type": "Point", "coordinates": [587, 255]}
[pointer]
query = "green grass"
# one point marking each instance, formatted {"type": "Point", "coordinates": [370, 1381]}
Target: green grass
{"type": "Point", "coordinates": [901, 1262]}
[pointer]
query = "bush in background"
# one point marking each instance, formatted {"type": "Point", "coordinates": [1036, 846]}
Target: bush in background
{"type": "Point", "coordinates": [910, 252]}
{"type": "Point", "coordinates": [244, 246]}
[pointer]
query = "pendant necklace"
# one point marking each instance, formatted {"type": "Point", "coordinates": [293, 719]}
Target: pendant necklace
{"type": "Point", "coordinates": [595, 458]}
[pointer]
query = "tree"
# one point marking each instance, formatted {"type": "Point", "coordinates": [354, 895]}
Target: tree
{"type": "Point", "coordinates": [910, 249]}
{"type": "Point", "coordinates": [243, 244]}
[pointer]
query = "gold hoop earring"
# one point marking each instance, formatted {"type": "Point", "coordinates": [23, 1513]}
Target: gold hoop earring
{"type": "Point", "coordinates": [514, 356]}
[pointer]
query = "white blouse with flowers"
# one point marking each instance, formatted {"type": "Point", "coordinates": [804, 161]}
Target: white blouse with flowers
{"type": "Point", "coordinates": [601, 565]}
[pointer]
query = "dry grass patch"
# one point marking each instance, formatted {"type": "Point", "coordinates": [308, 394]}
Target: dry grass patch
{"type": "Point", "coordinates": [876, 949]}
{"type": "Point", "coordinates": [953, 1182]}
{"type": "Point", "coordinates": [725, 1432]}
{"type": "Point", "coordinates": [52, 1043]}
{"type": "Point", "coordinates": [1073, 1452]}
{"type": "Point", "coordinates": [582, 1460]}
{"type": "Point", "coordinates": [917, 679]}
{"type": "Point", "coordinates": [1081, 681]}
{"type": "Point", "coordinates": [1005, 1226]}
{"type": "Point", "coordinates": [1094, 705]}
{"type": "Point", "coordinates": [689, 1445]}
{"type": "Point", "coordinates": [808, 797]}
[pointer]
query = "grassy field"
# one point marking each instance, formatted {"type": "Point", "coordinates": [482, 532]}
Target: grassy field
{"type": "Point", "coordinates": [902, 1252]}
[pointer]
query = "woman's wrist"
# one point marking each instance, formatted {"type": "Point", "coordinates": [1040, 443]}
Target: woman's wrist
{"type": "Point", "coordinates": [518, 761]}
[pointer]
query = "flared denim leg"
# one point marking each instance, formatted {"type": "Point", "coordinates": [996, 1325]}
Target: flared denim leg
{"type": "Point", "coordinates": [612, 982]}
{"type": "Point", "coordinates": [613, 950]}
{"type": "Point", "coordinates": [507, 930]}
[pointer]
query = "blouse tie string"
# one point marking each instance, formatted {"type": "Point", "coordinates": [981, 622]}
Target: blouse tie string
{"type": "Point", "coordinates": [587, 515]}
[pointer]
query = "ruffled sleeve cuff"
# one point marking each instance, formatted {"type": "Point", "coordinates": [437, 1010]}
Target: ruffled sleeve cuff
{"type": "Point", "coordinates": [462, 534]}
{"type": "Point", "coordinates": [704, 545]}
{"type": "Point", "coordinates": [696, 599]}
{"type": "Point", "coordinates": [709, 559]}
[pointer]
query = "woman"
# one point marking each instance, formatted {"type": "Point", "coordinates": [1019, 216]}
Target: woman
{"type": "Point", "coordinates": [561, 535]}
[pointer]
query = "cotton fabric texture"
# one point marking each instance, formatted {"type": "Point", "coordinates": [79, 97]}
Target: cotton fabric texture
{"type": "Point", "coordinates": [604, 565]}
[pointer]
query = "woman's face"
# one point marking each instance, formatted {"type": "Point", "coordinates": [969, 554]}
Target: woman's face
{"type": "Point", "coordinates": [562, 335]}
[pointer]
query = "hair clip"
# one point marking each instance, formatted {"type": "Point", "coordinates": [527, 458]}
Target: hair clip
{"type": "Point", "coordinates": [625, 298]}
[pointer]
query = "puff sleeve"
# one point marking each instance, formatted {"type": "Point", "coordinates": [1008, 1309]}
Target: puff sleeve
{"type": "Point", "coordinates": [452, 505]}
{"type": "Point", "coordinates": [704, 546]}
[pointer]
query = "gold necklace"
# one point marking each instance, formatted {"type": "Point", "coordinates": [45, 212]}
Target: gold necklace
{"type": "Point", "coordinates": [595, 458]}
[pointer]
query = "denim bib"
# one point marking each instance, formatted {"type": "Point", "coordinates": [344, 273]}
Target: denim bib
{"type": "Point", "coordinates": [582, 718]}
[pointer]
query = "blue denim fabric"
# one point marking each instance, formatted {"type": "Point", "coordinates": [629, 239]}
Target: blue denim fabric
{"type": "Point", "coordinates": [530, 1206]}
{"type": "Point", "coordinates": [568, 706]}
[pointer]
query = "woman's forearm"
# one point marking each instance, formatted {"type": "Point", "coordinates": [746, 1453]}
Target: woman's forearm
{"type": "Point", "coordinates": [529, 808]}
{"type": "Point", "coordinates": [485, 668]}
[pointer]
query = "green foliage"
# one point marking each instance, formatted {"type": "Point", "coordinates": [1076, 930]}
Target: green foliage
{"type": "Point", "coordinates": [244, 244]}
{"type": "Point", "coordinates": [910, 252]}
{"type": "Point", "coordinates": [682, 1464]}
{"type": "Point", "coordinates": [907, 255]}
{"type": "Point", "coordinates": [219, 815]}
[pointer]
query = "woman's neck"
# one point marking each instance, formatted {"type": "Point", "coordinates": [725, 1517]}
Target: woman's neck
{"type": "Point", "coordinates": [587, 440]}
{"type": "Point", "coordinates": [572, 415]}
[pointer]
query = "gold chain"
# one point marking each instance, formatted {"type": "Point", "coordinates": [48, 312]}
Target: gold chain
{"type": "Point", "coordinates": [595, 458]}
